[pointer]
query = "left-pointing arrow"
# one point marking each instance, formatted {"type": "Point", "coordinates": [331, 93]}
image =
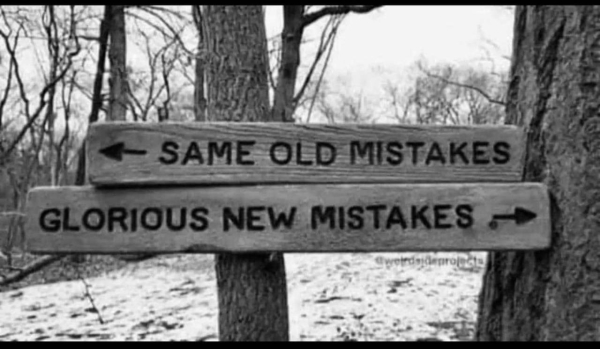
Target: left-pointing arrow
{"type": "Point", "coordinates": [117, 150]}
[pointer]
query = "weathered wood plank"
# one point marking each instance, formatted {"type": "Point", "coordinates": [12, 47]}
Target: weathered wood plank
{"type": "Point", "coordinates": [196, 153]}
{"type": "Point", "coordinates": [313, 218]}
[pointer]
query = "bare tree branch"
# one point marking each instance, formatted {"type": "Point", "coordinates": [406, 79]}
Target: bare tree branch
{"type": "Point", "coordinates": [336, 10]}
{"type": "Point", "coordinates": [32, 117]}
{"type": "Point", "coordinates": [29, 269]}
{"type": "Point", "coordinates": [456, 83]}
{"type": "Point", "coordinates": [319, 82]}
{"type": "Point", "coordinates": [327, 40]}
{"type": "Point", "coordinates": [8, 82]}
{"type": "Point", "coordinates": [174, 34]}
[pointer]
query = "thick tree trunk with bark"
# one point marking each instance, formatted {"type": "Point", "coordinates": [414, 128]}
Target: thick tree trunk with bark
{"type": "Point", "coordinates": [555, 93]}
{"type": "Point", "coordinates": [252, 287]}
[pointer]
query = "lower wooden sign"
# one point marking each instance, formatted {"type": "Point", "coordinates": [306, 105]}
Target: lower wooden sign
{"type": "Point", "coordinates": [289, 218]}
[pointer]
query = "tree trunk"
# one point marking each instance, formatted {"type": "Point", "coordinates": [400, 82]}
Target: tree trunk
{"type": "Point", "coordinates": [118, 84]}
{"type": "Point", "coordinates": [80, 175]}
{"type": "Point", "coordinates": [199, 94]}
{"type": "Point", "coordinates": [554, 93]}
{"type": "Point", "coordinates": [291, 39]}
{"type": "Point", "coordinates": [252, 290]}
{"type": "Point", "coordinates": [118, 64]}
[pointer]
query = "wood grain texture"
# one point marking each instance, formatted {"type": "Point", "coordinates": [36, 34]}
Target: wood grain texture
{"type": "Point", "coordinates": [452, 230]}
{"type": "Point", "coordinates": [462, 154]}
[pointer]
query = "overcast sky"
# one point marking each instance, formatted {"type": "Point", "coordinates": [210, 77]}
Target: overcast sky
{"type": "Point", "coordinates": [383, 44]}
{"type": "Point", "coordinates": [378, 47]}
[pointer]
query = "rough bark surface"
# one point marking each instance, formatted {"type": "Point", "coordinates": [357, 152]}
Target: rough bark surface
{"type": "Point", "coordinates": [553, 295]}
{"type": "Point", "coordinates": [236, 71]}
{"type": "Point", "coordinates": [252, 290]}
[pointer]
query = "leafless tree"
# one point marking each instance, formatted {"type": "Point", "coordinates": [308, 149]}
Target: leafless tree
{"type": "Point", "coordinates": [253, 286]}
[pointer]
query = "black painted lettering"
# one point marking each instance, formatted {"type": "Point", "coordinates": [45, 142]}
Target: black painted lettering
{"type": "Point", "coordinates": [439, 215]}
{"type": "Point", "coordinates": [502, 150]}
{"type": "Point", "coordinates": [356, 149]}
{"type": "Point", "coordinates": [117, 215]}
{"type": "Point", "coordinates": [134, 220]}
{"type": "Point", "coordinates": [299, 160]}
{"type": "Point", "coordinates": [341, 217]}
{"type": "Point", "coordinates": [419, 216]}
{"type": "Point", "coordinates": [241, 152]}
{"type": "Point", "coordinates": [415, 150]}
{"type": "Point", "coordinates": [479, 153]}
{"type": "Point", "coordinates": [395, 149]}
{"type": "Point", "coordinates": [355, 218]}
{"type": "Point", "coordinates": [320, 147]}
{"type": "Point", "coordinates": [286, 148]}
{"type": "Point", "coordinates": [88, 222]}
{"type": "Point", "coordinates": [281, 218]}
{"type": "Point", "coordinates": [199, 220]}
{"type": "Point", "coordinates": [435, 154]}
{"type": "Point", "coordinates": [169, 147]}
{"type": "Point", "coordinates": [379, 153]}
{"type": "Point", "coordinates": [223, 151]}
{"type": "Point", "coordinates": [230, 218]}
{"type": "Point", "coordinates": [317, 215]}
{"type": "Point", "coordinates": [193, 153]}
{"type": "Point", "coordinates": [253, 218]}
{"type": "Point", "coordinates": [395, 217]}
{"type": "Point", "coordinates": [173, 223]}
{"type": "Point", "coordinates": [66, 220]}
{"type": "Point", "coordinates": [465, 216]}
{"type": "Point", "coordinates": [50, 220]}
{"type": "Point", "coordinates": [458, 151]}
{"type": "Point", "coordinates": [375, 210]}
{"type": "Point", "coordinates": [151, 224]}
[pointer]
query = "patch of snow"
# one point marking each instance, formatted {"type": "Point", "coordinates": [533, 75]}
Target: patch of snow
{"type": "Point", "coordinates": [331, 297]}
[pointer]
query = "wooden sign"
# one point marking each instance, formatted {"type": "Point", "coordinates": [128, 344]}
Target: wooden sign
{"type": "Point", "coordinates": [195, 153]}
{"type": "Point", "coordinates": [316, 218]}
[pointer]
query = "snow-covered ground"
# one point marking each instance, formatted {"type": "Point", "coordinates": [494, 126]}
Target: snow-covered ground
{"type": "Point", "coordinates": [332, 297]}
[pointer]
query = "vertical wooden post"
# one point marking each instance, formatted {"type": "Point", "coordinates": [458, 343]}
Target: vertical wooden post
{"type": "Point", "coordinates": [252, 289]}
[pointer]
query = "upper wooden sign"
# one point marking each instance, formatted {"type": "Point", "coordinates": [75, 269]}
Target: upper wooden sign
{"type": "Point", "coordinates": [196, 153]}
{"type": "Point", "coordinates": [289, 218]}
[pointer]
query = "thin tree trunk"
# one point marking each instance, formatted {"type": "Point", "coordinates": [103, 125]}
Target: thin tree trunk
{"type": "Point", "coordinates": [50, 112]}
{"type": "Point", "coordinates": [97, 91]}
{"type": "Point", "coordinates": [118, 64]}
{"type": "Point", "coordinates": [252, 289]}
{"type": "Point", "coordinates": [199, 93]}
{"type": "Point", "coordinates": [291, 39]}
{"type": "Point", "coordinates": [555, 94]}
{"type": "Point", "coordinates": [118, 84]}
{"type": "Point", "coordinates": [80, 175]}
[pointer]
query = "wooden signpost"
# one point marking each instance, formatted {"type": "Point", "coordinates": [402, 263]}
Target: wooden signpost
{"type": "Point", "coordinates": [292, 218]}
{"type": "Point", "coordinates": [198, 153]}
{"type": "Point", "coordinates": [280, 187]}
{"type": "Point", "coordinates": [272, 187]}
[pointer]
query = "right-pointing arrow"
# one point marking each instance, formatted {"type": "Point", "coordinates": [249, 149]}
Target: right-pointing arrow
{"type": "Point", "coordinates": [521, 216]}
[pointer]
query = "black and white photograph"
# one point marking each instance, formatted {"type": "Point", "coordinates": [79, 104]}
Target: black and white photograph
{"type": "Point", "coordinates": [299, 173]}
